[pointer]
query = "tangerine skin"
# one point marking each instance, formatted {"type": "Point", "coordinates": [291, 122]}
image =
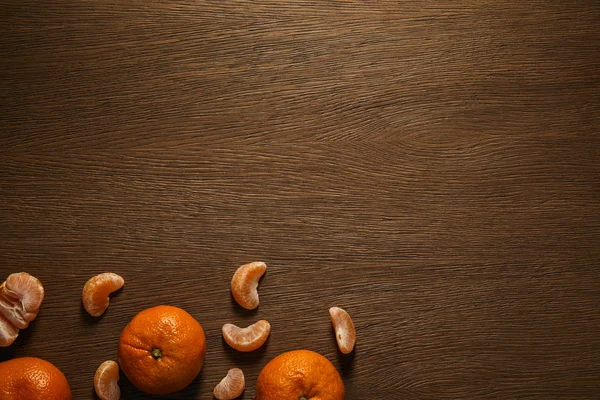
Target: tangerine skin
{"type": "Point", "coordinates": [162, 350]}
{"type": "Point", "coordinates": [299, 374]}
{"type": "Point", "coordinates": [30, 378]}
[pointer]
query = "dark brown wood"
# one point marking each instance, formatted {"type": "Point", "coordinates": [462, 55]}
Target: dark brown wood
{"type": "Point", "coordinates": [431, 167]}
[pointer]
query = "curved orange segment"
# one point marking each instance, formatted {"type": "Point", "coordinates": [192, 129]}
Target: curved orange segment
{"type": "Point", "coordinates": [105, 381]}
{"type": "Point", "coordinates": [232, 386]}
{"type": "Point", "coordinates": [96, 292]}
{"type": "Point", "coordinates": [247, 339]}
{"type": "Point", "coordinates": [244, 284]}
{"type": "Point", "coordinates": [8, 332]}
{"type": "Point", "coordinates": [345, 333]}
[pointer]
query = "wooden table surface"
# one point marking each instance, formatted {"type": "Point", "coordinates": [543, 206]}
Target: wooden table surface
{"type": "Point", "coordinates": [432, 167]}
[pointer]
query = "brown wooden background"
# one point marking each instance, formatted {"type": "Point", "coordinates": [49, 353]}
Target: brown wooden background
{"type": "Point", "coordinates": [431, 166]}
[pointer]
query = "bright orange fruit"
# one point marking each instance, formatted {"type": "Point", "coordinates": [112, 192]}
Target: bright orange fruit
{"type": "Point", "coordinates": [249, 338]}
{"type": "Point", "coordinates": [299, 375]}
{"type": "Point", "coordinates": [345, 333]}
{"type": "Point", "coordinates": [105, 381]}
{"type": "Point", "coordinates": [162, 350]}
{"type": "Point", "coordinates": [30, 378]}
{"type": "Point", "coordinates": [21, 296]}
{"type": "Point", "coordinates": [244, 284]}
{"type": "Point", "coordinates": [96, 291]}
{"type": "Point", "coordinates": [231, 386]}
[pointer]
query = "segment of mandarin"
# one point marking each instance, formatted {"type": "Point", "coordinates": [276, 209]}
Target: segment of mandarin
{"type": "Point", "coordinates": [231, 386]}
{"type": "Point", "coordinates": [96, 292]}
{"type": "Point", "coordinates": [345, 333]}
{"type": "Point", "coordinates": [21, 296]}
{"type": "Point", "coordinates": [105, 381]}
{"type": "Point", "coordinates": [8, 332]}
{"type": "Point", "coordinates": [249, 338]}
{"type": "Point", "coordinates": [244, 284]}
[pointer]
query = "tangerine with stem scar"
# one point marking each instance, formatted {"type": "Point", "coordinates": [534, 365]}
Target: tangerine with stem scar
{"type": "Point", "coordinates": [162, 350]}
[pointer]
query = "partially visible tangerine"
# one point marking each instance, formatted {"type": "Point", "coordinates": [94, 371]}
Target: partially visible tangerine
{"type": "Point", "coordinates": [105, 381]}
{"type": "Point", "coordinates": [162, 350]}
{"type": "Point", "coordinates": [231, 386]}
{"type": "Point", "coordinates": [21, 296]}
{"type": "Point", "coordinates": [244, 284]}
{"type": "Point", "coordinates": [30, 378]}
{"type": "Point", "coordinates": [299, 375]}
{"type": "Point", "coordinates": [249, 338]}
{"type": "Point", "coordinates": [96, 292]}
{"type": "Point", "coordinates": [345, 333]}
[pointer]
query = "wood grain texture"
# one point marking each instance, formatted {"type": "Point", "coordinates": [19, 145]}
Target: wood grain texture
{"type": "Point", "coordinates": [431, 167]}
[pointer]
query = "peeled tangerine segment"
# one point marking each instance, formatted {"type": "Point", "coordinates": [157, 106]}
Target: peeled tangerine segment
{"type": "Point", "coordinates": [247, 339]}
{"type": "Point", "coordinates": [231, 386]}
{"type": "Point", "coordinates": [96, 291]}
{"type": "Point", "coordinates": [105, 381]}
{"type": "Point", "coordinates": [8, 332]}
{"type": "Point", "coordinates": [21, 296]}
{"type": "Point", "coordinates": [244, 284]}
{"type": "Point", "coordinates": [345, 333]}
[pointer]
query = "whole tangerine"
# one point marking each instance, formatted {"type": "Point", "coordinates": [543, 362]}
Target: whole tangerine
{"type": "Point", "coordinates": [30, 378]}
{"type": "Point", "coordinates": [162, 350]}
{"type": "Point", "coordinates": [299, 375]}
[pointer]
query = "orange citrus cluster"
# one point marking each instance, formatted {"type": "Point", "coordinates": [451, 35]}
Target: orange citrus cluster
{"type": "Point", "coordinates": [162, 349]}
